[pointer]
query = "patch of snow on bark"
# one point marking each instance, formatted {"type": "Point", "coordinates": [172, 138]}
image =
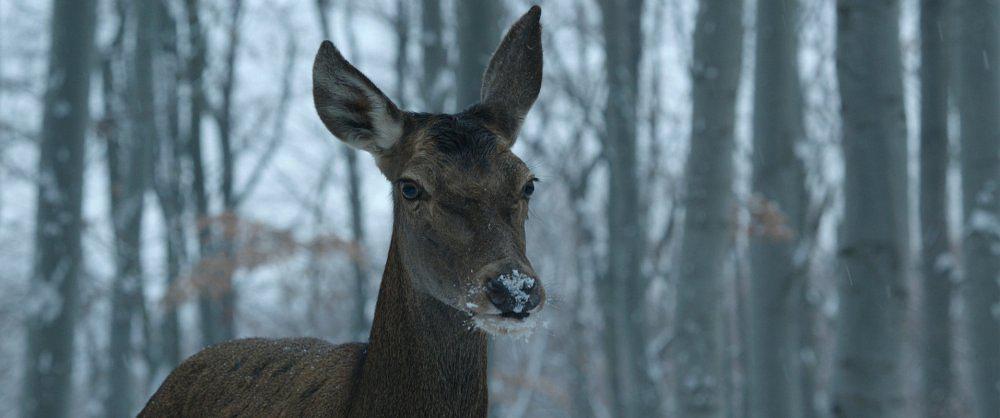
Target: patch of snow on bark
{"type": "Point", "coordinates": [944, 262]}
{"type": "Point", "coordinates": [985, 222]}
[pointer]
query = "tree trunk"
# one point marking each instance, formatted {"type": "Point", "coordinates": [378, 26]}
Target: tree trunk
{"type": "Point", "coordinates": [736, 327]}
{"type": "Point", "coordinates": [778, 210]}
{"type": "Point", "coordinates": [128, 168]}
{"type": "Point", "coordinates": [168, 185]}
{"type": "Point", "coordinates": [56, 268]}
{"type": "Point", "coordinates": [580, 351]}
{"type": "Point", "coordinates": [807, 350]}
{"type": "Point", "coordinates": [708, 220]}
{"type": "Point", "coordinates": [435, 57]}
{"type": "Point", "coordinates": [402, 45]}
{"type": "Point", "coordinates": [623, 285]}
{"type": "Point", "coordinates": [193, 144]}
{"type": "Point", "coordinates": [979, 103]}
{"type": "Point", "coordinates": [360, 324]}
{"type": "Point", "coordinates": [478, 35]}
{"type": "Point", "coordinates": [225, 241]}
{"type": "Point", "coordinates": [935, 246]}
{"type": "Point", "coordinates": [109, 129]}
{"type": "Point", "coordinates": [873, 294]}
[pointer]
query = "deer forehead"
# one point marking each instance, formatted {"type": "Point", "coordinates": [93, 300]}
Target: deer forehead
{"type": "Point", "coordinates": [460, 156]}
{"type": "Point", "coordinates": [497, 175]}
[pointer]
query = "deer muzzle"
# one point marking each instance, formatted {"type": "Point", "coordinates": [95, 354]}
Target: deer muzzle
{"type": "Point", "coordinates": [512, 288]}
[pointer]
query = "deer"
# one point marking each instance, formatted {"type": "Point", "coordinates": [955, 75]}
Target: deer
{"type": "Point", "coordinates": [456, 271]}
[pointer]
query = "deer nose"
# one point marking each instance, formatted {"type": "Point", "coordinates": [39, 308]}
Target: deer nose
{"type": "Point", "coordinates": [514, 293]}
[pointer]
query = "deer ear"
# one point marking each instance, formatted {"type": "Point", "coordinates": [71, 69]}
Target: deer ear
{"type": "Point", "coordinates": [350, 105]}
{"type": "Point", "coordinates": [514, 76]}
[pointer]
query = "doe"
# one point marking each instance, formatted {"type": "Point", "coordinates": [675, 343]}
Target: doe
{"type": "Point", "coordinates": [456, 269]}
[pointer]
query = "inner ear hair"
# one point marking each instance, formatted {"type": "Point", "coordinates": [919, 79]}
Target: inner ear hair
{"type": "Point", "coordinates": [351, 106]}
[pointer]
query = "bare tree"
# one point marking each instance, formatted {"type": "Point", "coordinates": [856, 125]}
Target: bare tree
{"type": "Point", "coordinates": [873, 296]}
{"type": "Point", "coordinates": [57, 262]}
{"type": "Point", "coordinates": [623, 286]}
{"type": "Point", "coordinates": [935, 246]}
{"type": "Point", "coordinates": [807, 350]}
{"type": "Point", "coordinates": [359, 318]}
{"type": "Point", "coordinates": [128, 172]}
{"type": "Point", "coordinates": [194, 78]}
{"type": "Point", "coordinates": [478, 34]}
{"type": "Point", "coordinates": [979, 104]}
{"type": "Point", "coordinates": [708, 223]}
{"type": "Point", "coordinates": [224, 258]}
{"type": "Point", "coordinates": [168, 183]}
{"type": "Point", "coordinates": [435, 57]}
{"type": "Point", "coordinates": [402, 26]}
{"type": "Point", "coordinates": [778, 209]}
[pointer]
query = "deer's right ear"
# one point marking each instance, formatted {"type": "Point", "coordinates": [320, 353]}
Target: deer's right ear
{"type": "Point", "coordinates": [350, 105]}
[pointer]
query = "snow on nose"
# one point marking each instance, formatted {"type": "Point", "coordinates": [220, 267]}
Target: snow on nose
{"type": "Point", "coordinates": [517, 285]}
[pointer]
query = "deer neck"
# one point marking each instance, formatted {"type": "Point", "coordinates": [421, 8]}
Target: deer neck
{"type": "Point", "coordinates": [422, 356]}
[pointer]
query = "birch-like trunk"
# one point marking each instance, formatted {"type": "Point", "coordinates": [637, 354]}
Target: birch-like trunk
{"type": "Point", "coordinates": [866, 380]}
{"type": "Point", "coordinates": [979, 104]}
{"type": "Point", "coordinates": [936, 258]}
{"type": "Point", "coordinates": [777, 210]}
{"type": "Point", "coordinates": [708, 220]}
{"type": "Point", "coordinates": [56, 269]}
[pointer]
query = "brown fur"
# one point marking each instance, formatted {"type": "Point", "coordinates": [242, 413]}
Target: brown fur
{"type": "Point", "coordinates": [422, 360]}
{"type": "Point", "coordinates": [425, 355]}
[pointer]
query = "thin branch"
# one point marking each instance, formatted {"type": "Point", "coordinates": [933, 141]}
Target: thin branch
{"type": "Point", "coordinates": [278, 129]}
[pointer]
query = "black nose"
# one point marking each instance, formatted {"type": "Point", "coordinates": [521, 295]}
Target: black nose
{"type": "Point", "coordinates": [514, 293]}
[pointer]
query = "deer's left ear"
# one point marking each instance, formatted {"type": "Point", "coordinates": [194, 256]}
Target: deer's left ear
{"type": "Point", "coordinates": [350, 105]}
{"type": "Point", "coordinates": [514, 76]}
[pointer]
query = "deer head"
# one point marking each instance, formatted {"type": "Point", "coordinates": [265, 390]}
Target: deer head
{"type": "Point", "coordinates": [460, 195]}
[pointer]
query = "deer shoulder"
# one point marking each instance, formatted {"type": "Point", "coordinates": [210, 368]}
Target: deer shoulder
{"type": "Point", "coordinates": [261, 377]}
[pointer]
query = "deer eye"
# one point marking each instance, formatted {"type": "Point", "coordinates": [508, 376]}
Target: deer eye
{"type": "Point", "coordinates": [529, 188]}
{"type": "Point", "coordinates": [409, 189]}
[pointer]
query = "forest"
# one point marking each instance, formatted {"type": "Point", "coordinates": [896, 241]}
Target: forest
{"type": "Point", "coordinates": [745, 208]}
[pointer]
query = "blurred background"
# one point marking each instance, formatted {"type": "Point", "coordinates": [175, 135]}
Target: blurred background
{"type": "Point", "coordinates": [759, 208]}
